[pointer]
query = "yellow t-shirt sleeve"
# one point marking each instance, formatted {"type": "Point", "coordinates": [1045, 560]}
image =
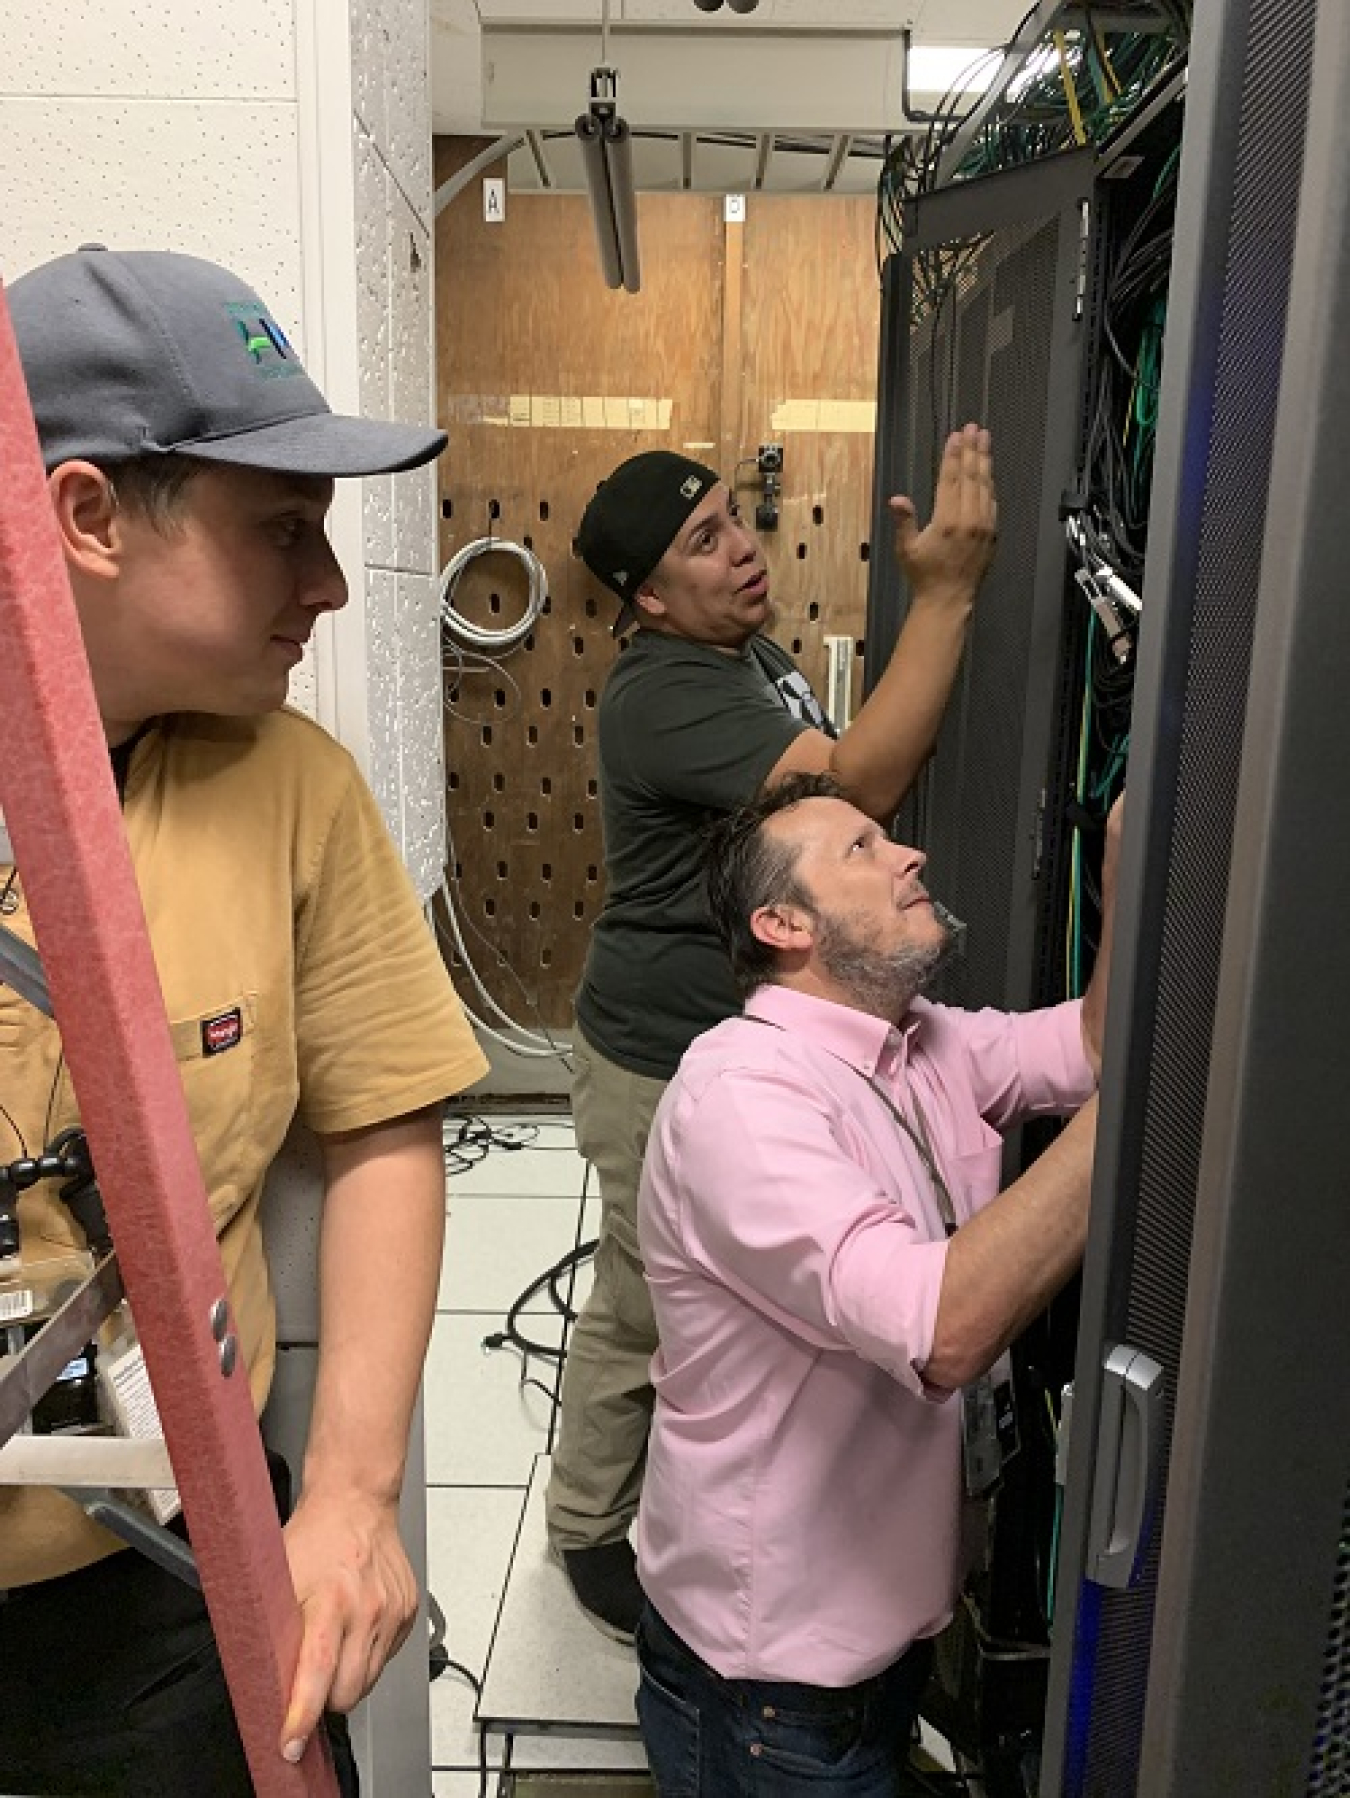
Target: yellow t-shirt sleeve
{"type": "Point", "coordinates": [379, 1029]}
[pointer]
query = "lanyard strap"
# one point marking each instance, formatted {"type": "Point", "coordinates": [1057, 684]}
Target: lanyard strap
{"type": "Point", "coordinates": [919, 1137]}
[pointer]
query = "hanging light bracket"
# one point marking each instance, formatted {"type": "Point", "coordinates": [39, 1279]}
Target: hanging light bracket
{"type": "Point", "coordinates": [607, 160]}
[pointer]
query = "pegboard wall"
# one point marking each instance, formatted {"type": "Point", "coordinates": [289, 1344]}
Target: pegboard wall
{"type": "Point", "coordinates": [742, 335]}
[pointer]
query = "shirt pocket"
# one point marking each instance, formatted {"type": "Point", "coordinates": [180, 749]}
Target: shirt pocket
{"type": "Point", "coordinates": [974, 1165]}
{"type": "Point", "coordinates": [216, 1056]}
{"type": "Point", "coordinates": [216, 1051]}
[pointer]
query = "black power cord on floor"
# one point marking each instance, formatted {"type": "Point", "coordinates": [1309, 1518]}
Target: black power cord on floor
{"type": "Point", "coordinates": [439, 1662]}
{"type": "Point", "coordinates": [469, 1139]}
{"type": "Point", "coordinates": [511, 1335]}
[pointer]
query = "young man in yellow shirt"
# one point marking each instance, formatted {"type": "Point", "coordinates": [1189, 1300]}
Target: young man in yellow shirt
{"type": "Point", "coordinates": [190, 466]}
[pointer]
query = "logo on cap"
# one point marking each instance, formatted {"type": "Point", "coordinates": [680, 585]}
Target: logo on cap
{"type": "Point", "coordinates": [264, 340]}
{"type": "Point", "coordinates": [692, 487]}
{"type": "Point", "coordinates": [621, 577]}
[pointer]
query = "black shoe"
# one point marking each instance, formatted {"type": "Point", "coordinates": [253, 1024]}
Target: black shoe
{"type": "Point", "coordinates": [605, 1584]}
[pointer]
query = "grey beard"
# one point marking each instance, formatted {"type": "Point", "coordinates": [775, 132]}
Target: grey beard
{"type": "Point", "coordinates": [884, 984]}
{"type": "Point", "coordinates": [954, 940]}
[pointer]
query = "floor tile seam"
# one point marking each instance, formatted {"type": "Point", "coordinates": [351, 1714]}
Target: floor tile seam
{"type": "Point", "coordinates": [477, 1486]}
{"type": "Point", "coordinates": [513, 1195]}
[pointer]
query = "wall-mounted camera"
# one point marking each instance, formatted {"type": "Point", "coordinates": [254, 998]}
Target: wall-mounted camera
{"type": "Point", "coordinates": [769, 462]}
{"type": "Point", "coordinates": [735, 5]}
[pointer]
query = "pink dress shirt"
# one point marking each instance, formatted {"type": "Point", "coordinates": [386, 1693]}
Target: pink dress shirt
{"type": "Point", "coordinates": [801, 1505]}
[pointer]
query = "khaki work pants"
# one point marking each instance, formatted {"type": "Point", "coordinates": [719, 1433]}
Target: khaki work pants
{"type": "Point", "coordinates": [606, 1402]}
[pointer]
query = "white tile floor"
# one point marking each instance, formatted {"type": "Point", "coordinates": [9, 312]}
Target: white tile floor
{"type": "Point", "coordinates": [511, 1215]}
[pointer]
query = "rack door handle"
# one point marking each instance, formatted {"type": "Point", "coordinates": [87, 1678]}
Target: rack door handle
{"type": "Point", "coordinates": [1129, 1462]}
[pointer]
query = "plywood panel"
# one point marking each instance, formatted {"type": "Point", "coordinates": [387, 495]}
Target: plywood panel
{"type": "Point", "coordinates": [810, 331]}
{"type": "Point", "coordinates": [527, 330]}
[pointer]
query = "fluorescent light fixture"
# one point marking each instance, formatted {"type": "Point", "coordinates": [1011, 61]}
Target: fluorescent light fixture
{"type": "Point", "coordinates": [938, 68]}
{"type": "Point", "coordinates": [607, 161]}
{"type": "Point", "coordinates": [945, 68]}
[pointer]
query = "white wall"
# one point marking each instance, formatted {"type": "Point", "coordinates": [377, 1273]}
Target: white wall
{"type": "Point", "coordinates": [290, 140]}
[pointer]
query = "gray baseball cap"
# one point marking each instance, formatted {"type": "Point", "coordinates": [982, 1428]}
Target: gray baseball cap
{"type": "Point", "coordinates": [142, 352]}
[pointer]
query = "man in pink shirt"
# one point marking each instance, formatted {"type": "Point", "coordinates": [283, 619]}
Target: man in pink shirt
{"type": "Point", "coordinates": [835, 1274]}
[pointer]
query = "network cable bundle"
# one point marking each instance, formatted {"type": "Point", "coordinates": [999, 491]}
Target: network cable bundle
{"type": "Point", "coordinates": [1107, 526]}
{"type": "Point", "coordinates": [470, 650]}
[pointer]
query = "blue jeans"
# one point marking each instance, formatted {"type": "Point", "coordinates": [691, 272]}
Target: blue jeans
{"type": "Point", "coordinates": [709, 1737]}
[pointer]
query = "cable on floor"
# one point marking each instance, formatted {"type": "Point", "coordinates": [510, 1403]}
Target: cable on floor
{"type": "Point", "coordinates": [470, 1138]}
{"type": "Point", "coordinates": [478, 1139]}
{"type": "Point", "coordinates": [439, 1662]}
{"type": "Point", "coordinates": [513, 1337]}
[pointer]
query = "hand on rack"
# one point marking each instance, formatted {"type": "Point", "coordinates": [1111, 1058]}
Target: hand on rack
{"type": "Point", "coordinates": [358, 1599]}
{"type": "Point", "coordinates": [948, 559]}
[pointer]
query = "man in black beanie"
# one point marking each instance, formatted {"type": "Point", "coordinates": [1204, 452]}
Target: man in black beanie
{"type": "Point", "coordinates": [701, 712]}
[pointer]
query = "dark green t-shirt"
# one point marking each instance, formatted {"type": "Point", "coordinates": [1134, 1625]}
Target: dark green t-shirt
{"type": "Point", "coordinates": [686, 733]}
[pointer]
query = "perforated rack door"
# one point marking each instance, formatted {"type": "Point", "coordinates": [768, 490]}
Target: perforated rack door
{"type": "Point", "coordinates": [1243, 157]}
{"type": "Point", "coordinates": [1248, 1674]}
{"type": "Point", "coordinates": [1329, 1770]}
